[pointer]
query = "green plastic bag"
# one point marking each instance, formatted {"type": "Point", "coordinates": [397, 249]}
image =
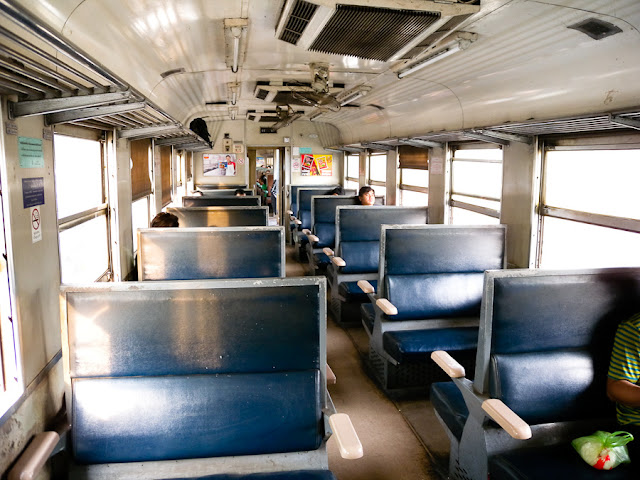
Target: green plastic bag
{"type": "Point", "coordinates": [604, 450]}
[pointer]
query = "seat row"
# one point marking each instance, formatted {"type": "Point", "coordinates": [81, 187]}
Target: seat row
{"type": "Point", "coordinates": [195, 379]}
{"type": "Point", "coordinates": [544, 346]}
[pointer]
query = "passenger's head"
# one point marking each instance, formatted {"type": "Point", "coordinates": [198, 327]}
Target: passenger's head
{"type": "Point", "coordinates": [240, 192]}
{"type": "Point", "coordinates": [367, 195]}
{"type": "Point", "coordinates": [164, 219]}
{"type": "Point", "coordinates": [228, 158]}
{"type": "Point", "coordinates": [336, 191]}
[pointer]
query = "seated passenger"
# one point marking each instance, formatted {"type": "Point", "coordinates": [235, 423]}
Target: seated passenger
{"type": "Point", "coordinates": [367, 195]}
{"type": "Point", "coordinates": [623, 378]}
{"type": "Point", "coordinates": [164, 219]}
{"type": "Point", "coordinates": [336, 191]}
{"type": "Point", "coordinates": [240, 192]}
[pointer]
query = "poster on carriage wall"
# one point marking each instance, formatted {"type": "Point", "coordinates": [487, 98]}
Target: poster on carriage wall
{"type": "Point", "coordinates": [219, 164]}
{"type": "Point", "coordinates": [317, 165]}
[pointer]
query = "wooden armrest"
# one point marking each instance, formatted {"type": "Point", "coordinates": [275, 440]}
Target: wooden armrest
{"type": "Point", "coordinates": [328, 252]}
{"type": "Point", "coordinates": [306, 231]}
{"type": "Point", "coordinates": [447, 363]}
{"type": "Point", "coordinates": [366, 287]}
{"type": "Point", "coordinates": [338, 262]}
{"type": "Point", "coordinates": [331, 377]}
{"type": "Point", "coordinates": [297, 222]}
{"type": "Point", "coordinates": [34, 457]}
{"type": "Point", "coordinates": [312, 238]}
{"type": "Point", "coordinates": [386, 306]}
{"type": "Point", "coordinates": [507, 419]}
{"type": "Point", "coordinates": [346, 436]}
{"type": "Point", "coordinates": [289, 212]}
{"type": "Point", "coordinates": [292, 218]}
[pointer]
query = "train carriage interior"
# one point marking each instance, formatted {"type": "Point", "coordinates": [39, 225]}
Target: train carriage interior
{"type": "Point", "coordinates": [288, 329]}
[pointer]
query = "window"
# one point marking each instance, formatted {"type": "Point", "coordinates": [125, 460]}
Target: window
{"type": "Point", "coordinates": [378, 172]}
{"type": "Point", "coordinates": [590, 207]}
{"type": "Point", "coordinates": [139, 218]}
{"type": "Point", "coordinates": [414, 187]}
{"type": "Point", "coordinates": [476, 185]}
{"type": "Point", "coordinates": [352, 169]}
{"type": "Point", "coordinates": [10, 384]}
{"type": "Point", "coordinates": [82, 209]}
{"type": "Point", "coordinates": [165, 174]}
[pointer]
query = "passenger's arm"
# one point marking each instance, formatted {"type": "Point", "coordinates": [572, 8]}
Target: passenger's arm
{"type": "Point", "coordinates": [624, 392]}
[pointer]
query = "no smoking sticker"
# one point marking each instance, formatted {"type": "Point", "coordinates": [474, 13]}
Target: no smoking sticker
{"type": "Point", "coordinates": [36, 226]}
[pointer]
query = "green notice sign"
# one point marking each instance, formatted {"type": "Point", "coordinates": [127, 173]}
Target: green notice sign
{"type": "Point", "coordinates": [30, 152]}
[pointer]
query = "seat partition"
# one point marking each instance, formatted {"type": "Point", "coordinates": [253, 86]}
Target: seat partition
{"type": "Point", "coordinates": [220, 201]}
{"type": "Point", "coordinates": [167, 371]}
{"type": "Point", "coordinates": [234, 216]}
{"type": "Point", "coordinates": [210, 253]}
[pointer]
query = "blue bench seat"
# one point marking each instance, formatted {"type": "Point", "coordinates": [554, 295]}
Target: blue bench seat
{"type": "Point", "coordinates": [351, 292]}
{"type": "Point", "coordinates": [449, 403]}
{"type": "Point", "coordinates": [299, 475]}
{"type": "Point", "coordinates": [417, 345]}
{"type": "Point", "coordinates": [557, 461]}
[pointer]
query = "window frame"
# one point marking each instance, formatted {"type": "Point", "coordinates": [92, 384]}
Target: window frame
{"type": "Point", "coordinates": [575, 144]}
{"type": "Point", "coordinates": [451, 202]}
{"type": "Point", "coordinates": [79, 218]}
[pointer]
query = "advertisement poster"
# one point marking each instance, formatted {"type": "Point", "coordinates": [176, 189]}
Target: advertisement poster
{"type": "Point", "coordinates": [317, 165]}
{"type": "Point", "coordinates": [219, 164]}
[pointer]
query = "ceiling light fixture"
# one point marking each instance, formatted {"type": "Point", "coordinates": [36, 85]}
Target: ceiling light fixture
{"type": "Point", "coordinates": [429, 60]}
{"type": "Point", "coordinates": [353, 94]}
{"type": "Point", "coordinates": [234, 29]}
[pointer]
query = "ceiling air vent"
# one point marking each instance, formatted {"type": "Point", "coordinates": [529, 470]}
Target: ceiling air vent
{"type": "Point", "coordinates": [596, 29]}
{"type": "Point", "coordinates": [372, 33]}
{"type": "Point", "coordinates": [297, 21]}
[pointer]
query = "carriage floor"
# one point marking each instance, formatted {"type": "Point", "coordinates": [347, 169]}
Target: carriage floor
{"type": "Point", "coordinates": [402, 439]}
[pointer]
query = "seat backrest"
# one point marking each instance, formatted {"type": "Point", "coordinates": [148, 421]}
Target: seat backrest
{"type": "Point", "coordinates": [293, 194]}
{"type": "Point", "coordinates": [437, 271]}
{"type": "Point", "coordinates": [358, 232]}
{"type": "Point", "coordinates": [323, 216]}
{"type": "Point", "coordinates": [208, 253]}
{"type": "Point", "coordinates": [546, 337]}
{"type": "Point", "coordinates": [221, 216]}
{"type": "Point", "coordinates": [220, 201]}
{"type": "Point", "coordinates": [304, 203]}
{"type": "Point", "coordinates": [173, 370]}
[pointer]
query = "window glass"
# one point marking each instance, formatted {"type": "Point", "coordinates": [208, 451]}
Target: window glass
{"type": "Point", "coordinates": [476, 178]}
{"type": "Point", "coordinates": [351, 185]}
{"type": "Point", "coordinates": [353, 166]}
{"type": "Point", "coordinates": [78, 174]}
{"type": "Point", "coordinates": [380, 190]}
{"type": "Point", "coordinates": [569, 244]}
{"type": "Point", "coordinates": [461, 216]}
{"type": "Point", "coordinates": [378, 167]}
{"type": "Point", "coordinates": [84, 251]}
{"type": "Point", "coordinates": [139, 218]}
{"type": "Point", "coordinates": [414, 177]}
{"type": "Point", "coordinates": [413, 199]}
{"type": "Point", "coordinates": [591, 181]}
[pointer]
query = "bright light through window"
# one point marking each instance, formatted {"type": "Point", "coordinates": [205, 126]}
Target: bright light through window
{"type": "Point", "coordinates": [353, 162]}
{"type": "Point", "coordinates": [378, 168]}
{"type": "Point", "coordinates": [139, 218]}
{"type": "Point", "coordinates": [84, 253]}
{"type": "Point", "coordinates": [78, 174]}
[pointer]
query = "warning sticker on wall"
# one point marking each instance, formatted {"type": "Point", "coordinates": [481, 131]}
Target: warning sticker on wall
{"type": "Point", "coordinates": [36, 225]}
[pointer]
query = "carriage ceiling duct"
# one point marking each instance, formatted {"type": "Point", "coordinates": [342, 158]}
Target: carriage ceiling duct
{"type": "Point", "coordinates": [381, 30]}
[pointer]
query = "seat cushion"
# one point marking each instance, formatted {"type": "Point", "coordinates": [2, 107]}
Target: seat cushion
{"type": "Point", "coordinates": [449, 403]}
{"type": "Point", "coordinates": [556, 461]}
{"type": "Point", "coordinates": [417, 345]}
{"type": "Point", "coordinates": [368, 315]}
{"type": "Point", "coordinates": [351, 292]}
{"type": "Point", "coordinates": [296, 475]}
{"type": "Point", "coordinates": [126, 419]}
{"type": "Point", "coordinates": [322, 258]}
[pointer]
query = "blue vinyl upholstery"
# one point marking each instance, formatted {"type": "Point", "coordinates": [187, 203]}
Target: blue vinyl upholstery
{"type": "Point", "coordinates": [299, 475]}
{"type": "Point", "coordinates": [208, 253]}
{"type": "Point", "coordinates": [545, 349]}
{"type": "Point", "coordinates": [220, 201]}
{"type": "Point", "coordinates": [417, 345]}
{"type": "Point", "coordinates": [181, 370]}
{"type": "Point", "coordinates": [449, 403]}
{"type": "Point", "coordinates": [189, 217]}
{"type": "Point", "coordinates": [152, 410]}
{"type": "Point", "coordinates": [361, 257]}
{"type": "Point", "coordinates": [435, 295]}
{"type": "Point", "coordinates": [351, 292]}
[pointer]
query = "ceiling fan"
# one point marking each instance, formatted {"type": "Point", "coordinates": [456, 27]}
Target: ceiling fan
{"type": "Point", "coordinates": [319, 96]}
